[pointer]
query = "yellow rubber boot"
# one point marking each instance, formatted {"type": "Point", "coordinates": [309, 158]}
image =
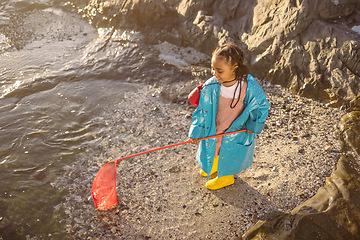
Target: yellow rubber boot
{"type": "Point", "coordinates": [220, 182]}
{"type": "Point", "coordinates": [213, 169]}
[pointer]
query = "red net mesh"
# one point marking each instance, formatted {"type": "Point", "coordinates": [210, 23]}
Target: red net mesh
{"type": "Point", "coordinates": [103, 188]}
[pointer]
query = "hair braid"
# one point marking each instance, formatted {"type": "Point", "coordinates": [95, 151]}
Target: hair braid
{"type": "Point", "coordinates": [235, 56]}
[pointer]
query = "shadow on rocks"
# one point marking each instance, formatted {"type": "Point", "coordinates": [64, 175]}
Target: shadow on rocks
{"type": "Point", "coordinates": [242, 196]}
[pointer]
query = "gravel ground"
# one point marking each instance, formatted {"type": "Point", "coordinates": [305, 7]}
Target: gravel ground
{"type": "Point", "coordinates": [163, 196]}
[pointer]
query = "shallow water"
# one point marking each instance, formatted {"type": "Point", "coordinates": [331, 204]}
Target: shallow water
{"type": "Point", "coordinates": [43, 133]}
{"type": "Point", "coordinates": [58, 81]}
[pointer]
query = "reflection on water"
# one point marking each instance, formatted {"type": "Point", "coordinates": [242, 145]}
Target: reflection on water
{"type": "Point", "coordinates": [55, 89]}
{"type": "Point", "coordinates": [41, 134]}
{"type": "Point", "coordinates": [60, 80]}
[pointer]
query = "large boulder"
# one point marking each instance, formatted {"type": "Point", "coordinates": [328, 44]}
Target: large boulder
{"type": "Point", "coordinates": [308, 46]}
{"type": "Point", "coordinates": [333, 213]}
{"type": "Point", "coordinates": [311, 47]}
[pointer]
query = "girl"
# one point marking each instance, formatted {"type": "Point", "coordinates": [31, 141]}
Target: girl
{"type": "Point", "coordinates": [231, 100]}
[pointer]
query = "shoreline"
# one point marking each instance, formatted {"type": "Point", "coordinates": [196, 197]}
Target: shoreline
{"type": "Point", "coordinates": [163, 196]}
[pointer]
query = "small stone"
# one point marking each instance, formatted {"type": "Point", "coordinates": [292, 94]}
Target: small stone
{"type": "Point", "coordinates": [174, 169]}
{"type": "Point", "coordinates": [328, 149]}
{"type": "Point", "coordinates": [215, 204]}
{"type": "Point", "coordinates": [305, 135]}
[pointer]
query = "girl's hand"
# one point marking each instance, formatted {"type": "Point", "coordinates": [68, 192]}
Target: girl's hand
{"type": "Point", "coordinates": [248, 131]}
{"type": "Point", "coordinates": [194, 141]}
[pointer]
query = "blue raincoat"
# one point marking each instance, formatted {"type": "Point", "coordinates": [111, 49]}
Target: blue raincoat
{"type": "Point", "coordinates": [237, 150]}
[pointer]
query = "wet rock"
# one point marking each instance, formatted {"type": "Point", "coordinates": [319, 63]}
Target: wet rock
{"type": "Point", "coordinates": [333, 213]}
{"type": "Point", "coordinates": [34, 25]}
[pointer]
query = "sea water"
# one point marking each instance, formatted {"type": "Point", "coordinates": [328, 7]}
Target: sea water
{"type": "Point", "coordinates": [59, 78]}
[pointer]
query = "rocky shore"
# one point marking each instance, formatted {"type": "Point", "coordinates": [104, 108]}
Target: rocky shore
{"type": "Point", "coordinates": [305, 175]}
{"type": "Point", "coordinates": [163, 196]}
{"type": "Point", "coordinates": [305, 179]}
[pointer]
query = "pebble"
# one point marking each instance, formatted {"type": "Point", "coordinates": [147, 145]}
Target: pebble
{"type": "Point", "coordinates": [174, 169]}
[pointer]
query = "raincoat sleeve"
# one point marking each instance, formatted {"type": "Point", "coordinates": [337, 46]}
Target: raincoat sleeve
{"type": "Point", "coordinates": [259, 109]}
{"type": "Point", "coordinates": [197, 128]}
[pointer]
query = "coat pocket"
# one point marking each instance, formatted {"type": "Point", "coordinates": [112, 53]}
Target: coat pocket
{"type": "Point", "coordinates": [236, 157]}
{"type": "Point", "coordinates": [244, 151]}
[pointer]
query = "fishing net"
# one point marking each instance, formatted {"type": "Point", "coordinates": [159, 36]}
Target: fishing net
{"type": "Point", "coordinates": [103, 189]}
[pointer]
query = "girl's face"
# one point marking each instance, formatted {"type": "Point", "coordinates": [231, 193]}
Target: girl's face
{"type": "Point", "coordinates": [223, 71]}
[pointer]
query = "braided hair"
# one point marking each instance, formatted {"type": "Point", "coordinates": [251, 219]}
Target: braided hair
{"type": "Point", "coordinates": [235, 56]}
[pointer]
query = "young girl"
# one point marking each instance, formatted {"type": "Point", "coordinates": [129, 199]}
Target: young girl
{"type": "Point", "coordinates": [231, 100]}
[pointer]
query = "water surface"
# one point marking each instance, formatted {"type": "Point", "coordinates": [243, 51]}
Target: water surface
{"type": "Point", "coordinates": [59, 78]}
